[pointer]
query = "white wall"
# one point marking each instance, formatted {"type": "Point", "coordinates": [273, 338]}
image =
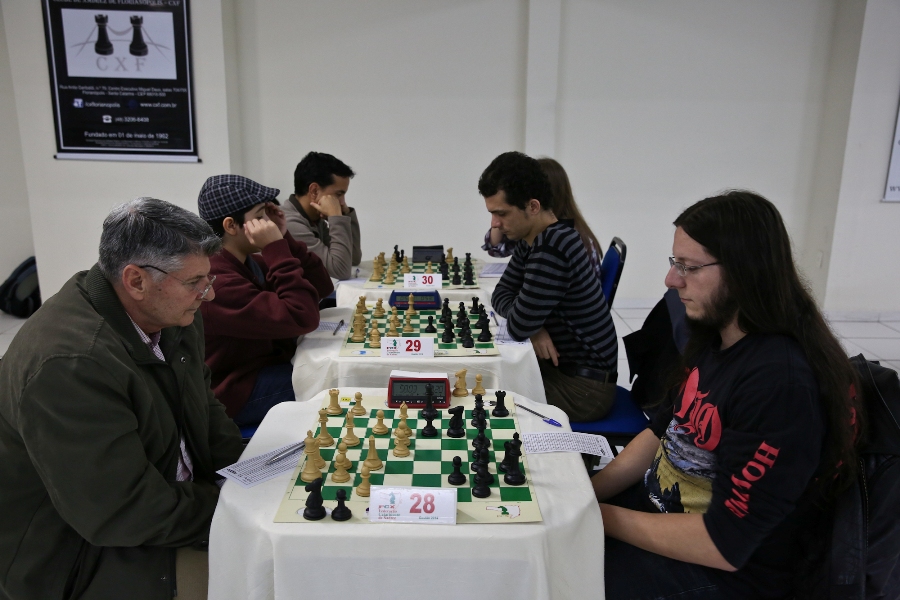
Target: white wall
{"type": "Point", "coordinates": [69, 199]}
{"type": "Point", "coordinates": [15, 241]}
{"type": "Point", "coordinates": [657, 105]}
{"type": "Point", "coordinates": [863, 273]}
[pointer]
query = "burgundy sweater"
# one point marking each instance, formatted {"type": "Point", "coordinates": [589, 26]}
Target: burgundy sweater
{"type": "Point", "coordinates": [248, 327]}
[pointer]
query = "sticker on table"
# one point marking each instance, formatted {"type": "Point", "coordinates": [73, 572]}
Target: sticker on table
{"type": "Point", "coordinates": [427, 506]}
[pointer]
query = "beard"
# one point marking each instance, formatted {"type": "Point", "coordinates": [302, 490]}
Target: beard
{"type": "Point", "coordinates": [720, 312]}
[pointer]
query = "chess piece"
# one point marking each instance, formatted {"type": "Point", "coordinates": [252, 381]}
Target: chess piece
{"type": "Point", "coordinates": [474, 309]}
{"type": "Point", "coordinates": [468, 258]}
{"type": "Point", "coordinates": [444, 270]}
{"type": "Point", "coordinates": [392, 328]}
{"type": "Point", "coordinates": [500, 409]}
{"type": "Point", "coordinates": [456, 477]}
{"type": "Point", "coordinates": [379, 308]}
{"type": "Point", "coordinates": [404, 266]}
{"type": "Point", "coordinates": [350, 438]}
{"type": "Point", "coordinates": [462, 313]}
{"type": "Point", "coordinates": [341, 512]}
{"type": "Point", "coordinates": [381, 260]}
{"type": "Point", "coordinates": [468, 276]}
{"type": "Point", "coordinates": [359, 329]}
{"type": "Point", "coordinates": [430, 328]}
{"type": "Point", "coordinates": [455, 428]}
{"type": "Point", "coordinates": [374, 336]}
{"type": "Point", "coordinates": [358, 408]}
{"type": "Point", "coordinates": [342, 457]}
{"type": "Point", "coordinates": [447, 337]}
{"type": "Point", "coordinates": [428, 267]}
{"type": "Point", "coordinates": [310, 473]}
{"type": "Point", "coordinates": [407, 325]}
{"type": "Point", "coordinates": [478, 414]}
{"type": "Point", "coordinates": [402, 426]}
{"type": "Point", "coordinates": [484, 474]}
{"type": "Point", "coordinates": [481, 440]}
{"type": "Point", "coordinates": [373, 462]}
{"type": "Point", "coordinates": [411, 309]}
{"type": "Point", "coordinates": [394, 313]}
{"type": "Point", "coordinates": [502, 465]}
{"type": "Point", "coordinates": [312, 451]}
{"type": "Point", "coordinates": [396, 255]}
{"type": "Point", "coordinates": [361, 306]}
{"type": "Point", "coordinates": [340, 474]}
{"type": "Point", "coordinates": [479, 389]}
{"type": "Point", "coordinates": [429, 410]}
{"type": "Point", "coordinates": [365, 487]}
{"type": "Point", "coordinates": [482, 321]}
{"type": "Point", "coordinates": [401, 444]}
{"type": "Point", "coordinates": [482, 489]}
{"type": "Point", "coordinates": [314, 511]}
{"type": "Point", "coordinates": [334, 407]}
{"type": "Point", "coordinates": [102, 46]}
{"type": "Point", "coordinates": [376, 268]}
{"type": "Point", "coordinates": [380, 428]}
{"type": "Point", "coordinates": [324, 438]}
{"type": "Point", "coordinates": [389, 278]}
{"type": "Point", "coordinates": [513, 475]}
{"type": "Point", "coordinates": [467, 341]}
{"type": "Point", "coordinates": [449, 255]}
{"type": "Point", "coordinates": [485, 335]}
{"type": "Point", "coordinates": [138, 47]}
{"type": "Point", "coordinates": [429, 430]}
{"type": "Point", "coordinates": [459, 387]}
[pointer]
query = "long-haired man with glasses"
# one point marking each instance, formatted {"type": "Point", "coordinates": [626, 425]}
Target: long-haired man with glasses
{"type": "Point", "coordinates": [110, 436]}
{"type": "Point", "coordinates": [268, 289]}
{"type": "Point", "coordinates": [756, 432]}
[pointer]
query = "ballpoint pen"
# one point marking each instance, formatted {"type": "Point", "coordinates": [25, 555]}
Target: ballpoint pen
{"type": "Point", "coordinates": [496, 322]}
{"type": "Point", "coordinates": [547, 420]}
{"type": "Point", "coordinates": [285, 453]}
{"type": "Point", "coordinates": [339, 325]}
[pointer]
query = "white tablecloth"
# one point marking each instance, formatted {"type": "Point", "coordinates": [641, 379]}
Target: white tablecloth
{"type": "Point", "coordinates": [317, 365]}
{"type": "Point", "coordinates": [347, 292]}
{"type": "Point", "coordinates": [251, 557]}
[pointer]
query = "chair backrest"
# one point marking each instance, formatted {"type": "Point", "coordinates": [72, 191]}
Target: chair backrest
{"type": "Point", "coordinates": [611, 269]}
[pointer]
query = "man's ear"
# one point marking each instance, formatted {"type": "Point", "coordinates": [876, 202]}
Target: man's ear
{"type": "Point", "coordinates": [534, 206]}
{"type": "Point", "coordinates": [312, 192]}
{"type": "Point", "coordinates": [135, 281]}
{"type": "Point", "coordinates": [230, 226]}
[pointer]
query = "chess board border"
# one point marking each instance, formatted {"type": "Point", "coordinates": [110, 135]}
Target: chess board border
{"type": "Point", "coordinates": [469, 508]}
{"type": "Point", "coordinates": [420, 268]}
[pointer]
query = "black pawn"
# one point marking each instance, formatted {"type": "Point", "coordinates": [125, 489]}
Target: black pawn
{"type": "Point", "coordinates": [468, 342]}
{"type": "Point", "coordinates": [513, 475]}
{"type": "Point", "coordinates": [447, 337]}
{"type": "Point", "coordinates": [457, 280]}
{"type": "Point", "coordinates": [456, 477]}
{"type": "Point", "coordinates": [341, 512]}
{"type": "Point", "coordinates": [482, 489]}
{"type": "Point", "coordinates": [468, 277]}
{"type": "Point", "coordinates": [462, 313]}
{"type": "Point", "coordinates": [479, 408]}
{"type": "Point", "coordinates": [396, 254]}
{"type": "Point", "coordinates": [455, 428]}
{"type": "Point", "coordinates": [430, 328]}
{"type": "Point", "coordinates": [485, 335]}
{"type": "Point", "coordinates": [314, 510]}
{"type": "Point", "coordinates": [483, 461]}
{"type": "Point", "coordinates": [480, 441]}
{"type": "Point", "coordinates": [500, 409]}
{"type": "Point", "coordinates": [445, 308]}
{"type": "Point", "coordinates": [429, 430]}
{"type": "Point", "coordinates": [102, 46]}
{"type": "Point", "coordinates": [402, 255]}
{"type": "Point", "coordinates": [138, 47]}
{"type": "Point", "coordinates": [445, 273]}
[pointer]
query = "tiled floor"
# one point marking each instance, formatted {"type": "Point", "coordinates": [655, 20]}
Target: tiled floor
{"type": "Point", "coordinates": [859, 332]}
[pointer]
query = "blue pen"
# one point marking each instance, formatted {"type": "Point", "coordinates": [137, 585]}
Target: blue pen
{"type": "Point", "coordinates": [547, 420]}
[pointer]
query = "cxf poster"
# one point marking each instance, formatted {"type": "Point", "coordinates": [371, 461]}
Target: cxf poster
{"type": "Point", "coordinates": [120, 76]}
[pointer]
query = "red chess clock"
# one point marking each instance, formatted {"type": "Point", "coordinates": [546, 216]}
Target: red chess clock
{"type": "Point", "coordinates": [412, 391]}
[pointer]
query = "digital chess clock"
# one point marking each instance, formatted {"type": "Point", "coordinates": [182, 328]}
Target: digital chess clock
{"type": "Point", "coordinates": [422, 299]}
{"type": "Point", "coordinates": [414, 390]}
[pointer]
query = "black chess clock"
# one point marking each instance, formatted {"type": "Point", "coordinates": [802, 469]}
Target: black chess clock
{"type": "Point", "coordinates": [422, 299]}
{"type": "Point", "coordinates": [413, 391]}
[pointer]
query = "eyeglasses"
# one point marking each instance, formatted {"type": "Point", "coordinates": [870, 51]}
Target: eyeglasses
{"type": "Point", "coordinates": [198, 287]}
{"type": "Point", "coordinates": [684, 269]}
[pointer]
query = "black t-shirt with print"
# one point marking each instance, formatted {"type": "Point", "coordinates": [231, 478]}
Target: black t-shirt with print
{"type": "Point", "coordinates": [741, 445]}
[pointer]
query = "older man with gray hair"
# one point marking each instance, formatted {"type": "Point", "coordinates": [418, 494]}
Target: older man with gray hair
{"type": "Point", "coordinates": [110, 437]}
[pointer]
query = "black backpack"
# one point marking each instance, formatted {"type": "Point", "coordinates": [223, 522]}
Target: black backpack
{"type": "Point", "coordinates": [853, 553]}
{"type": "Point", "coordinates": [20, 295]}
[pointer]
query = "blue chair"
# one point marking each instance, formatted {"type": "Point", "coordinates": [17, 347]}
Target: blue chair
{"type": "Point", "coordinates": [611, 269]}
{"type": "Point", "coordinates": [624, 419]}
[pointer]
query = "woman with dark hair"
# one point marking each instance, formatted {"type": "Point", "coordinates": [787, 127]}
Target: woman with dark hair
{"type": "Point", "coordinates": [563, 206]}
{"type": "Point", "coordinates": [760, 426]}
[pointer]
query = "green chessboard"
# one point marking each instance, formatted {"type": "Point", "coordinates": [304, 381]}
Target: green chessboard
{"type": "Point", "coordinates": [420, 268]}
{"type": "Point", "coordinates": [428, 465]}
{"type": "Point", "coordinates": [419, 323]}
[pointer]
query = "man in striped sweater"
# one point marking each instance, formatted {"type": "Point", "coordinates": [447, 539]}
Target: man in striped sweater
{"type": "Point", "coordinates": [549, 292]}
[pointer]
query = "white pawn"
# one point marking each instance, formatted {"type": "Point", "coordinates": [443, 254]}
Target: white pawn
{"type": "Point", "coordinates": [380, 428]}
{"type": "Point", "coordinates": [401, 444]}
{"type": "Point", "coordinates": [340, 474]}
{"type": "Point", "coordinates": [364, 488]}
{"type": "Point", "coordinates": [358, 408]}
{"type": "Point", "coordinates": [478, 389]}
{"type": "Point", "coordinates": [350, 438]}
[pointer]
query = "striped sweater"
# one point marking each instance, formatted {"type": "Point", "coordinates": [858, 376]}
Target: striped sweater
{"type": "Point", "coordinates": [551, 284]}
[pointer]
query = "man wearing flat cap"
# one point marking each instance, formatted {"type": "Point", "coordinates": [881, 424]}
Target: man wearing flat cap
{"type": "Point", "coordinates": [268, 287]}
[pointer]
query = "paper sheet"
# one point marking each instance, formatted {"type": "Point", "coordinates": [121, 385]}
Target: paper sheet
{"type": "Point", "coordinates": [503, 336]}
{"type": "Point", "coordinates": [585, 443]}
{"type": "Point", "coordinates": [255, 470]}
{"type": "Point", "coordinates": [330, 326]}
{"type": "Point", "coordinates": [493, 269]}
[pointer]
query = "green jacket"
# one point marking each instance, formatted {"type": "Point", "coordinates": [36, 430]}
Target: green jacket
{"type": "Point", "coordinates": [90, 423]}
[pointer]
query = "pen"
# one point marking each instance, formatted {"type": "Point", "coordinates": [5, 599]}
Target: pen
{"type": "Point", "coordinates": [339, 325]}
{"type": "Point", "coordinates": [496, 322]}
{"type": "Point", "coordinates": [285, 453]}
{"type": "Point", "coordinates": [547, 420]}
